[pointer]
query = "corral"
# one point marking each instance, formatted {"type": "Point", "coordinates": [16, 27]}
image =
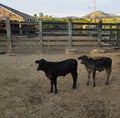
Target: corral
{"type": "Point", "coordinates": [42, 35]}
{"type": "Point", "coordinates": [24, 91]}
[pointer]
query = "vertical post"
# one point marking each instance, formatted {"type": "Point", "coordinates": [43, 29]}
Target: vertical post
{"type": "Point", "coordinates": [70, 32]}
{"type": "Point", "coordinates": [26, 29]}
{"type": "Point", "coordinates": [41, 36]}
{"type": "Point", "coordinates": [99, 33]}
{"type": "Point", "coordinates": [95, 9]}
{"type": "Point", "coordinates": [110, 34]}
{"type": "Point", "coordinates": [117, 36]}
{"type": "Point", "coordinates": [99, 38]}
{"type": "Point", "coordinates": [8, 29]}
{"type": "Point", "coordinates": [20, 26]}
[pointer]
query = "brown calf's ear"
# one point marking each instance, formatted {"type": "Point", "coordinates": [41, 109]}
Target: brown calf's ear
{"type": "Point", "coordinates": [79, 58]}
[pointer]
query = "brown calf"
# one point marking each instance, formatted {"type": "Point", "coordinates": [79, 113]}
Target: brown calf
{"type": "Point", "coordinates": [96, 64]}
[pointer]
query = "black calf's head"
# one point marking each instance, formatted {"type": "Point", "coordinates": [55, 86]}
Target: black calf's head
{"type": "Point", "coordinates": [83, 59]}
{"type": "Point", "coordinates": [41, 64]}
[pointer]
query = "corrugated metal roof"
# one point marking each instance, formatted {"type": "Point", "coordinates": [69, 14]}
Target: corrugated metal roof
{"type": "Point", "coordinates": [24, 15]}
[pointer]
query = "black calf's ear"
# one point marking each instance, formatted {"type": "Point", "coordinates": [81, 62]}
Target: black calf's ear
{"type": "Point", "coordinates": [37, 62]}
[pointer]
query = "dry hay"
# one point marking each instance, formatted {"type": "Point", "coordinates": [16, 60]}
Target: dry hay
{"type": "Point", "coordinates": [24, 91]}
{"type": "Point", "coordinates": [70, 51]}
{"type": "Point", "coordinates": [97, 51]}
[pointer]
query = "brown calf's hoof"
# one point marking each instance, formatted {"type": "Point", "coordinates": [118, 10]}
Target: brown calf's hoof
{"type": "Point", "coordinates": [94, 85]}
{"type": "Point", "coordinates": [87, 84]}
{"type": "Point", "coordinates": [106, 83]}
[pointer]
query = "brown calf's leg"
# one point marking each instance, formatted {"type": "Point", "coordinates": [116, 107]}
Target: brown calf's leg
{"type": "Point", "coordinates": [94, 75]}
{"type": "Point", "coordinates": [89, 75]}
{"type": "Point", "coordinates": [108, 76]}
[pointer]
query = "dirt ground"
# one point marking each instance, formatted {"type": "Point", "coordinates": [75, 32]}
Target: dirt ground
{"type": "Point", "coordinates": [24, 92]}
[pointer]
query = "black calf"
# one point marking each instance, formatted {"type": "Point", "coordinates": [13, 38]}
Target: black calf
{"type": "Point", "coordinates": [55, 69]}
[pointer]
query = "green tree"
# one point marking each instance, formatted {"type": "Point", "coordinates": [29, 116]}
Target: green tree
{"type": "Point", "coordinates": [41, 14]}
{"type": "Point", "coordinates": [35, 15]}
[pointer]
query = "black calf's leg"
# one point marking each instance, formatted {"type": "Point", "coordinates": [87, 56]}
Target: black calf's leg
{"type": "Point", "coordinates": [94, 75]}
{"type": "Point", "coordinates": [55, 85]}
{"type": "Point", "coordinates": [74, 76]}
{"type": "Point", "coordinates": [51, 90]}
{"type": "Point", "coordinates": [89, 75]}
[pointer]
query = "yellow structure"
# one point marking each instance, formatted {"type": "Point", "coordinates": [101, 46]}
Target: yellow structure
{"type": "Point", "coordinates": [14, 15]}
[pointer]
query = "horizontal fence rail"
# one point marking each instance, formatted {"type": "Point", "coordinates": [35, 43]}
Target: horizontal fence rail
{"type": "Point", "coordinates": [42, 35]}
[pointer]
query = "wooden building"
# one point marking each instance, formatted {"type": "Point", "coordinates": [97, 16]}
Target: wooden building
{"type": "Point", "coordinates": [21, 22]}
{"type": "Point", "coordinates": [14, 15]}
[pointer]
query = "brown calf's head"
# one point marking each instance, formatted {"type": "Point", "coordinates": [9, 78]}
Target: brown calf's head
{"type": "Point", "coordinates": [83, 59]}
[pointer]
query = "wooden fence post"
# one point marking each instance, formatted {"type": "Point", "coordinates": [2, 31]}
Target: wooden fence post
{"type": "Point", "coordinates": [20, 26]}
{"type": "Point", "coordinates": [117, 36]}
{"type": "Point", "coordinates": [70, 32]}
{"type": "Point", "coordinates": [41, 36]}
{"type": "Point", "coordinates": [99, 37]}
{"type": "Point", "coordinates": [110, 34]}
{"type": "Point", "coordinates": [99, 33]}
{"type": "Point", "coordinates": [70, 50]}
{"type": "Point", "coordinates": [8, 29]}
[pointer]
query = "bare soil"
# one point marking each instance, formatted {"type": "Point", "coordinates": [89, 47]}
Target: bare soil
{"type": "Point", "coordinates": [24, 92]}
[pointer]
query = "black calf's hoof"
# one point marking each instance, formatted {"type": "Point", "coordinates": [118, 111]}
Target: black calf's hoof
{"type": "Point", "coordinates": [56, 92]}
{"type": "Point", "coordinates": [51, 91]}
{"type": "Point", "coordinates": [74, 87]}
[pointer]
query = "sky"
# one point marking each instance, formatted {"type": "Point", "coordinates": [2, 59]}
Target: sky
{"type": "Point", "coordinates": [63, 8]}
